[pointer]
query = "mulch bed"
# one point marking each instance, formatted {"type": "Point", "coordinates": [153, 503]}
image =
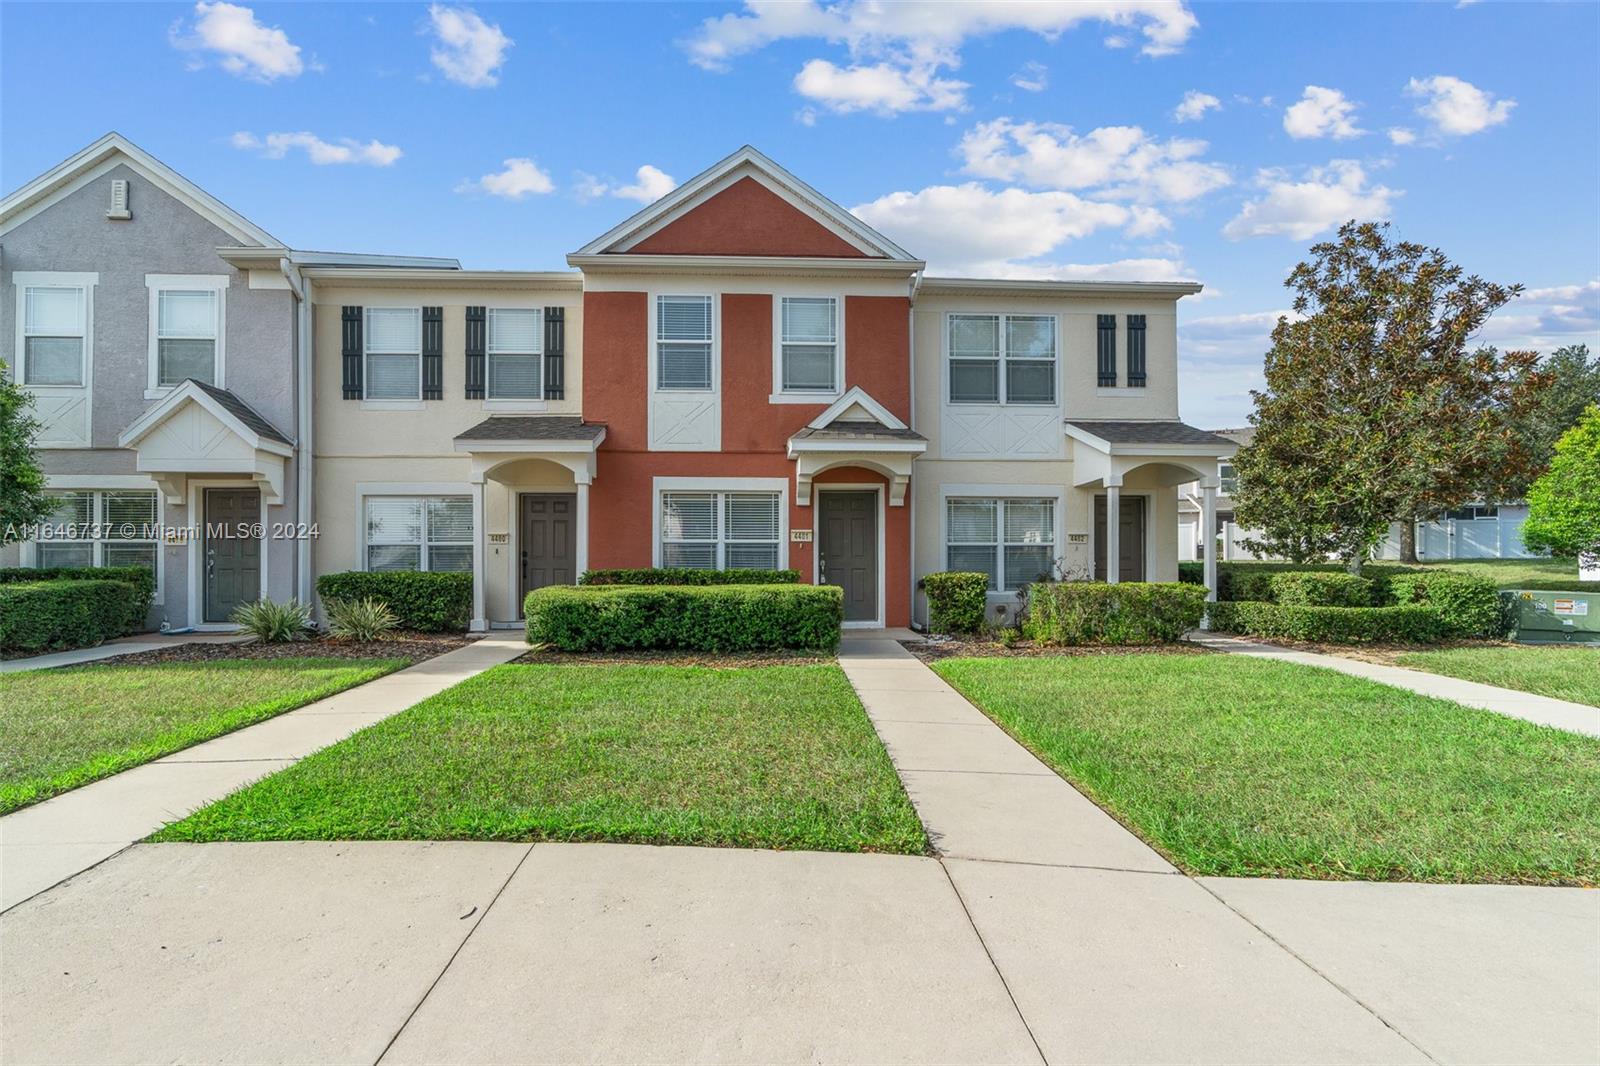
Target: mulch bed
{"type": "Point", "coordinates": [951, 647]}
{"type": "Point", "coordinates": [413, 646]}
{"type": "Point", "coordinates": [720, 660]}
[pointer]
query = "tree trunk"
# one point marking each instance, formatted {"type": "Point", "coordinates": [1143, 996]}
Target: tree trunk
{"type": "Point", "coordinates": [1408, 540]}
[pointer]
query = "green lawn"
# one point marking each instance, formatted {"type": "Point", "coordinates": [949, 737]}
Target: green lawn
{"type": "Point", "coordinates": [1246, 767]}
{"type": "Point", "coordinates": [1513, 573]}
{"type": "Point", "coordinates": [1565, 671]}
{"type": "Point", "coordinates": [771, 756]}
{"type": "Point", "coordinates": [63, 728]}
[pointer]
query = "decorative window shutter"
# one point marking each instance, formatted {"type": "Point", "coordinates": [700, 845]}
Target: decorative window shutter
{"type": "Point", "coordinates": [1107, 350]}
{"type": "Point", "coordinates": [477, 346]}
{"type": "Point", "coordinates": [433, 353]}
{"type": "Point", "coordinates": [1136, 351]}
{"type": "Point", "coordinates": [555, 350]}
{"type": "Point", "coordinates": [351, 347]}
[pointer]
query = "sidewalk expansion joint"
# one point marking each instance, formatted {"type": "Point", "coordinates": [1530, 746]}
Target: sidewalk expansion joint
{"type": "Point", "coordinates": [996, 773]}
{"type": "Point", "coordinates": [1021, 1017]}
{"type": "Point", "coordinates": [1061, 865]}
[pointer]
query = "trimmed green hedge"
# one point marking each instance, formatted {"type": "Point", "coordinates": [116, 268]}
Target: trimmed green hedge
{"type": "Point", "coordinates": [958, 601]}
{"type": "Point", "coordinates": [1407, 624]}
{"type": "Point", "coordinates": [68, 613]}
{"type": "Point", "coordinates": [1253, 581]}
{"type": "Point", "coordinates": [142, 578]}
{"type": "Point", "coordinates": [684, 575]}
{"type": "Point", "coordinates": [1130, 612]}
{"type": "Point", "coordinates": [685, 617]}
{"type": "Point", "coordinates": [1316, 588]}
{"type": "Point", "coordinates": [424, 601]}
{"type": "Point", "coordinates": [1469, 606]}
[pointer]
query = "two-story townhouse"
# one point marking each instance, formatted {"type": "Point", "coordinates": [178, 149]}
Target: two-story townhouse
{"type": "Point", "coordinates": [160, 334]}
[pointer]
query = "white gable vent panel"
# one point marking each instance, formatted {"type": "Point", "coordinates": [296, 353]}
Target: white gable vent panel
{"type": "Point", "coordinates": [119, 200]}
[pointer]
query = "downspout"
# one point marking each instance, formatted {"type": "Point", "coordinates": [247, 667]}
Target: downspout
{"type": "Point", "coordinates": [302, 456]}
{"type": "Point", "coordinates": [911, 377]}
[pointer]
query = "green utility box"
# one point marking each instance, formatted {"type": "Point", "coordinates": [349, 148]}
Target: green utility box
{"type": "Point", "coordinates": [1540, 617]}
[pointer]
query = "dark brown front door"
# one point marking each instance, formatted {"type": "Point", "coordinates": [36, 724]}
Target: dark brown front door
{"type": "Point", "coordinates": [1130, 539]}
{"type": "Point", "coordinates": [848, 550]}
{"type": "Point", "coordinates": [548, 537]}
{"type": "Point", "coordinates": [233, 551]}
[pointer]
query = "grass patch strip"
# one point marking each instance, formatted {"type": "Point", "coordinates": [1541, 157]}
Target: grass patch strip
{"type": "Point", "coordinates": [1560, 671]}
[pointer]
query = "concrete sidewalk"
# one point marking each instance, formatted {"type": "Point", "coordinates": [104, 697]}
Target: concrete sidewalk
{"type": "Point", "coordinates": [1563, 714]}
{"type": "Point", "coordinates": [50, 841]}
{"type": "Point", "coordinates": [112, 648]}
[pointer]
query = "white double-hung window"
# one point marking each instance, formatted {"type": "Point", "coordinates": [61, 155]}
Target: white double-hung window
{"type": "Point", "coordinates": [100, 529]}
{"type": "Point", "coordinates": [1010, 539]}
{"type": "Point", "coordinates": [393, 368]}
{"type": "Point", "coordinates": [721, 530]}
{"type": "Point", "coordinates": [1002, 359]}
{"type": "Point", "coordinates": [515, 353]}
{"type": "Point", "coordinates": [808, 345]}
{"type": "Point", "coordinates": [187, 333]}
{"type": "Point", "coordinates": [419, 533]}
{"type": "Point", "coordinates": [683, 343]}
{"type": "Point", "coordinates": [54, 322]}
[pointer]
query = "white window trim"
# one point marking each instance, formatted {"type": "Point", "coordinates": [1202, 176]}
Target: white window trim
{"type": "Point", "coordinates": [396, 404]}
{"type": "Point", "coordinates": [655, 297]}
{"type": "Point", "coordinates": [714, 394]}
{"type": "Point", "coordinates": [780, 485]}
{"type": "Point", "coordinates": [155, 283]}
{"type": "Point", "coordinates": [779, 393]}
{"type": "Point", "coordinates": [28, 555]}
{"type": "Point", "coordinates": [1004, 399]}
{"type": "Point", "coordinates": [423, 491]}
{"type": "Point", "coordinates": [998, 492]}
{"type": "Point", "coordinates": [508, 404]}
{"type": "Point", "coordinates": [197, 548]}
{"type": "Point", "coordinates": [22, 280]}
{"type": "Point", "coordinates": [882, 520]}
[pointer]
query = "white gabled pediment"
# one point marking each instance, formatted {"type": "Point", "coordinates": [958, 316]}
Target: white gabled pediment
{"type": "Point", "coordinates": [190, 433]}
{"type": "Point", "coordinates": [856, 406]}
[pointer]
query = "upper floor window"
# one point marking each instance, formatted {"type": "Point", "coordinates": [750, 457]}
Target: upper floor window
{"type": "Point", "coordinates": [54, 320]}
{"type": "Point", "coordinates": [516, 354]}
{"type": "Point", "coordinates": [721, 530]}
{"type": "Point", "coordinates": [683, 342]}
{"type": "Point", "coordinates": [419, 533]}
{"type": "Point", "coordinates": [1003, 359]}
{"type": "Point", "coordinates": [393, 353]}
{"type": "Point", "coordinates": [809, 344]}
{"type": "Point", "coordinates": [186, 328]}
{"type": "Point", "coordinates": [1229, 478]}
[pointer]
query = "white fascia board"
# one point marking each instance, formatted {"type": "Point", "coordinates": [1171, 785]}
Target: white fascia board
{"type": "Point", "coordinates": [407, 277]}
{"type": "Point", "coordinates": [845, 447]}
{"type": "Point", "coordinates": [189, 392]}
{"type": "Point", "coordinates": [1083, 436]}
{"type": "Point", "coordinates": [856, 395]}
{"type": "Point", "coordinates": [1002, 287]}
{"type": "Point", "coordinates": [529, 446]}
{"type": "Point", "coordinates": [741, 264]}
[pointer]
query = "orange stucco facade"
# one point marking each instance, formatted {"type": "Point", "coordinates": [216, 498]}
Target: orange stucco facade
{"type": "Point", "coordinates": [746, 218]}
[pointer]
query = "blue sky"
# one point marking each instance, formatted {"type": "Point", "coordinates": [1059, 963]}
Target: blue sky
{"type": "Point", "coordinates": [1030, 140]}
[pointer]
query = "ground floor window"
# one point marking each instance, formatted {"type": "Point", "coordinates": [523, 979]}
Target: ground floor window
{"type": "Point", "coordinates": [419, 533]}
{"type": "Point", "coordinates": [1010, 539]}
{"type": "Point", "coordinates": [100, 529]}
{"type": "Point", "coordinates": [721, 530]}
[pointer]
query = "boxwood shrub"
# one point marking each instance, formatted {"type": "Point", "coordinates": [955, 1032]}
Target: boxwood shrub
{"type": "Point", "coordinates": [1469, 606]}
{"type": "Point", "coordinates": [1407, 624]}
{"type": "Point", "coordinates": [68, 613]}
{"type": "Point", "coordinates": [427, 602]}
{"type": "Point", "coordinates": [683, 575]}
{"type": "Point", "coordinates": [958, 601]}
{"type": "Point", "coordinates": [685, 617]}
{"type": "Point", "coordinates": [1318, 588]}
{"type": "Point", "coordinates": [142, 578]}
{"type": "Point", "coordinates": [1130, 612]}
{"type": "Point", "coordinates": [1253, 580]}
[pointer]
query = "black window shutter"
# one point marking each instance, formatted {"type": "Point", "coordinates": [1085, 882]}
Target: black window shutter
{"type": "Point", "coordinates": [477, 345]}
{"type": "Point", "coordinates": [555, 351]}
{"type": "Point", "coordinates": [433, 353]}
{"type": "Point", "coordinates": [1136, 351]}
{"type": "Point", "coordinates": [1107, 349]}
{"type": "Point", "coordinates": [351, 347]}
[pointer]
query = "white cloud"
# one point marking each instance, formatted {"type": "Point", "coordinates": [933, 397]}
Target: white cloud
{"type": "Point", "coordinates": [918, 39]}
{"type": "Point", "coordinates": [970, 229]}
{"type": "Point", "coordinates": [1221, 362]}
{"type": "Point", "coordinates": [1325, 197]}
{"type": "Point", "coordinates": [1122, 162]}
{"type": "Point", "coordinates": [242, 45]}
{"type": "Point", "coordinates": [1544, 319]}
{"type": "Point", "coordinates": [1458, 108]}
{"type": "Point", "coordinates": [517, 179]}
{"type": "Point", "coordinates": [346, 151]}
{"type": "Point", "coordinates": [1194, 105]}
{"type": "Point", "coordinates": [650, 184]}
{"type": "Point", "coordinates": [1322, 113]}
{"type": "Point", "coordinates": [469, 50]}
{"type": "Point", "coordinates": [880, 87]}
{"type": "Point", "coordinates": [1034, 77]}
{"type": "Point", "coordinates": [1399, 135]}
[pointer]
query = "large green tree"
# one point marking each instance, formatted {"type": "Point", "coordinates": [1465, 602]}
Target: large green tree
{"type": "Point", "coordinates": [23, 501]}
{"type": "Point", "coordinates": [1572, 386]}
{"type": "Point", "coordinates": [1375, 410]}
{"type": "Point", "coordinates": [1564, 504]}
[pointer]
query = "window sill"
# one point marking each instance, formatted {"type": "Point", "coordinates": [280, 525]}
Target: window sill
{"type": "Point", "coordinates": [522, 406]}
{"type": "Point", "coordinates": [822, 398]}
{"type": "Point", "coordinates": [393, 405]}
{"type": "Point", "coordinates": [1126, 391]}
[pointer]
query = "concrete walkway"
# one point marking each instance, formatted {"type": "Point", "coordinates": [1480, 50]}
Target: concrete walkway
{"type": "Point", "coordinates": [112, 648]}
{"type": "Point", "coordinates": [1563, 714]}
{"type": "Point", "coordinates": [1112, 955]}
{"type": "Point", "coordinates": [50, 841]}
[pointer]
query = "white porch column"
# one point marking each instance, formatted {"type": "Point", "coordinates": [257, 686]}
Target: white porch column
{"type": "Point", "coordinates": [582, 552]}
{"type": "Point", "coordinates": [480, 593]}
{"type": "Point", "coordinates": [1113, 534]}
{"type": "Point", "coordinates": [1208, 507]}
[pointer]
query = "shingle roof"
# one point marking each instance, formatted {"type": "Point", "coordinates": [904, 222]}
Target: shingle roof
{"type": "Point", "coordinates": [1120, 432]}
{"type": "Point", "coordinates": [242, 411]}
{"type": "Point", "coordinates": [847, 431]}
{"type": "Point", "coordinates": [533, 427]}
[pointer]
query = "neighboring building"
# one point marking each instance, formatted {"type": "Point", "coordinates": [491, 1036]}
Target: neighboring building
{"type": "Point", "coordinates": [1225, 531]}
{"type": "Point", "coordinates": [741, 375]}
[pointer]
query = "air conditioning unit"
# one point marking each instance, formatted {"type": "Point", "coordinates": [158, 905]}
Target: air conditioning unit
{"type": "Point", "coordinates": [119, 201]}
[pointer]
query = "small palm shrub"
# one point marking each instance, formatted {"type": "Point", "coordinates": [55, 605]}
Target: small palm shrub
{"type": "Point", "coordinates": [367, 618]}
{"type": "Point", "coordinates": [274, 623]}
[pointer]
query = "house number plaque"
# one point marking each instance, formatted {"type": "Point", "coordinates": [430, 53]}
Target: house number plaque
{"type": "Point", "coordinates": [800, 536]}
